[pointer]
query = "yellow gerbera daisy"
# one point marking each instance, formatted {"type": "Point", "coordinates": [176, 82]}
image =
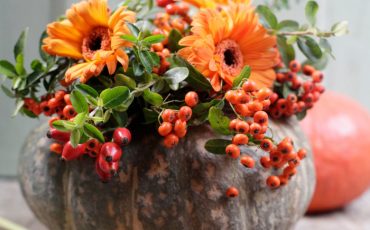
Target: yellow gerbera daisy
{"type": "Point", "coordinates": [214, 3]}
{"type": "Point", "coordinates": [223, 42]}
{"type": "Point", "coordinates": [91, 33]}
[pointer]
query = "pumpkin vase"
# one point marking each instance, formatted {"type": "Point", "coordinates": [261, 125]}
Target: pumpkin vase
{"type": "Point", "coordinates": [157, 188]}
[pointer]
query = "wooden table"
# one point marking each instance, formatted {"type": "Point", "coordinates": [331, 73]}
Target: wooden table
{"type": "Point", "coordinates": [355, 217]}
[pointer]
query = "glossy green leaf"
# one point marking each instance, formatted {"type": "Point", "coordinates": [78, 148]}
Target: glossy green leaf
{"type": "Point", "coordinates": [287, 51]}
{"type": "Point", "coordinates": [219, 122]}
{"type": "Point", "coordinates": [340, 28]}
{"type": "Point", "coordinates": [7, 91]}
{"type": "Point", "coordinates": [37, 66]}
{"type": "Point", "coordinates": [64, 126]}
{"type": "Point", "coordinates": [175, 76]}
{"type": "Point", "coordinates": [267, 17]}
{"type": "Point", "coordinates": [288, 26]}
{"type": "Point", "coordinates": [123, 80]}
{"type": "Point", "coordinates": [129, 38]}
{"type": "Point", "coordinates": [309, 48]}
{"type": "Point", "coordinates": [173, 40]}
{"type": "Point", "coordinates": [79, 102]}
{"type": "Point", "coordinates": [19, 46]}
{"type": "Point", "coordinates": [154, 39]}
{"type": "Point", "coordinates": [115, 96]}
{"type": "Point", "coordinates": [86, 89]}
{"type": "Point", "coordinates": [19, 64]}
{"type": "Point", "coordinates": [148, 60]}
{"type": "Point", "coordinates": [75, 137]}
{"type": "Point", "coordinates": [152, 97]}
{"type": "Point", "coordinates": [195, 79]}
{"type": "Point", "coordinates": [311, 11]}
{"type": "Point", "coordinates": [7, 69]}
{"type": "Point", "coordinates": [93, 132]}
{"type": "Point", "coordinates": [217, 146]}
{"type": "Point", "coordinates": [133, 29]}
{"type": "Point", "coordinates": [243, 76]}
{"type": "Point", "coordinates": [80, 119]}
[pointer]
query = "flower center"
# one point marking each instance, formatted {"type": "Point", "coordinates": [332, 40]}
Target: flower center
{"type": "Point", "coordinates": [98, 39]}
{"type": "Point", "coordinates": [231, 57]}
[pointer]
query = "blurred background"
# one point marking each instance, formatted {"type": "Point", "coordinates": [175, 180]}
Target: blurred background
{"type": "Point", "coordinates": [348, 73]}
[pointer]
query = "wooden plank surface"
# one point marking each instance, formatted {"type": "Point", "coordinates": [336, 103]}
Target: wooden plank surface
{"type": "Point", "coordinates": [355, 217]}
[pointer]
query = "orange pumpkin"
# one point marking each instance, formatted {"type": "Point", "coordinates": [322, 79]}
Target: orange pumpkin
{"type": "Point", "coordinates": [339, 131]}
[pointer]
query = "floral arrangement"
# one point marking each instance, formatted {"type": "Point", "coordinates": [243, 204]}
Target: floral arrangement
{"type": "Point", "coordinates": [173, 65]}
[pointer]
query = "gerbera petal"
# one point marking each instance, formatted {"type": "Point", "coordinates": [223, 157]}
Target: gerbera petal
{"type": "Point", "coordinates": [62, 48]}
{"type": "Point", "coordinates": [263, 77]}
{"type": "Point", "coordinates": [64, 30]}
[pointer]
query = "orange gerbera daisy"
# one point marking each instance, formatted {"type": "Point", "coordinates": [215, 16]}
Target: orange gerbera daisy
{"type": "Point", "coordinates": [223, 42]}
{"type": "Point", "coordinates": [91, 33]}
{"type": "Point", "coordinates": [214, 3]}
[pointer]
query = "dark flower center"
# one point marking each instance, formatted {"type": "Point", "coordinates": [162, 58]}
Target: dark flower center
{"type": "Point", "coordinates": [231, 57]}
{"type": "Point", "coordinates": [98, 39]}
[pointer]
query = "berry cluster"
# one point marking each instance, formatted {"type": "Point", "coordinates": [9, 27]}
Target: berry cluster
{"type": "Point", "coordinates": [174, 125]}
{"type": "Point", "coordinates": [58, 103]}
{"type": "Point", "coordinates": [250, 128]}
{"type": "Point", "coordinates": [108, 155]}
{"type": "Point", "coordinates": [297, 90]}
{"type": "Point", "coordinates": [175, 17]}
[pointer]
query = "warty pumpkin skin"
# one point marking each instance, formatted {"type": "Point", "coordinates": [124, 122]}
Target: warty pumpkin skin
{"type": "Point", "coordinates": [158, 188]}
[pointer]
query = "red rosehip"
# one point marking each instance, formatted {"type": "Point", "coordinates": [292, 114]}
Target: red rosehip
{"type": "Point", "coordinates": [111, 152]}
{"type": "Point", "coordinates": [103, 176]}
{"type": "Point", "coordinates": [164, 3]}
{"type": "Point", "coordinates": [232, 192]}
{"type": "Point", "coordinates": [69, 153]}
{"type": "Point", "coordinates": [122, 136]}
{"type": "Point", "coordinates": [58, 135]}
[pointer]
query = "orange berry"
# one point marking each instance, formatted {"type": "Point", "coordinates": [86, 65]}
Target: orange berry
{"type": "Point", "coordinates": [232, 151]}
{"type": "Point", "coordinates": [165, 128]}
{"type": "Point", "coordinates": [170, 141]}
{"type": "Point", "coordinates": [169, 115]}
{"type": "Point", "coordinates": [243, 110]}
{"type": "Point", "coordinates": [255, 106]}
{"type": "Point", "coordinates": [158, 47]}
{"type": "Point", "coordinates": [231, 97]}
{"type": "Point", "coordinates": [183, 9]}
{"type": "Point", "coordinates": [283, 180]}
{"type": "Point", "coordinates": [294, 162]}
{"type": "Point", "coordinates": [67, 99]}
{"type": "Point", "coordinates": [249, 86]}
{"type": "Point", "coordinates": [56, 148]}
{"type": "Point", "coordinates": [59, 95]}
{"type": "Point", "coordinates": [185, 113]}
{"type": "Point", "coordinates": [266, 145]}
{"type": "Point", "coordinates": [240, 139]}
{"type": "Point", "coordinates": [289, 171]}
{"type": "Point", "coordinates": [69, 112]}
{"type": "Point", "coordinates": [317, 76]}
{"type": "Point", "coordinates": [308, 70]}
{"type": "Point", "coordinates": [302, 153]}
{"type": "Point", "coordinates": [247, 161]}
{"type": "Point", "coordinates": [255, 129]}
{"type": "Point", "coordinates": [172, 9]}
{"type": "Point", "coordinates": [265, 162]}
{"type": "Point", "coordinates": [285, 147]}
{"type": "Point", "coordinates": [290, 156]}
{"type": "Point", "coordinates": [191, 99]}
{"type": "Point", "coordinates": [180, 128]}
{"type": "Point", "coordinates": [292, 98]}
{"type": "Point", "coordinates": [266, 104]}
{"type": "Point", "coordinates": [282, 104]}
{"type": "Point", "coordinates": [264, 94]}
{"type": "Point", "coordinates": [273, 181]}
{"type": "Point", "coordinates": [232, 192]}
{"type": "Point", "coordinates": [53, 103]}
{"type": "Point", "coordinates": [295, 66]}
{"type": "Point", "coordinates": [261, 117]}
{"type": "Point", "coordinates": [232, 124]}
{"type": "Point", "coordinates": [242, 97]}
{"type": "Point", "coordinates": [280, 77]}
{"type": "Point", "coordinates": [242, 127]}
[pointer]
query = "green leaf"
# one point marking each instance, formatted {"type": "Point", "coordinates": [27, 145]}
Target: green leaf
{"type": "Point", "coordinates": [93, 132]}
{"type": "Point", "coordinates": [217, 146]}
{"type": "Point", "coordinates": [154, 39]}
{"type": "Point", "coordinates": [301, 115]}
{"type": "Point", "coordinates": [288, 26]}
{"type": "Point", "coordinates": [37, 66]}
{"type": "Point", "coordinates": [80, 119]}
{"type": "Point", "coordinates": [311, 11]}
{"type": "Point", "coordinates": [152, 97]}
{"type": "Point", "coordinates": [120, 118]}
{"type": "Point", "coordinates": [123, 80]}
{"type": "Point", "coordinates": [267, 17]}
{"type": "Point", "coordinates": [149, 60]}
{"type": "Point", "coordinates": [173, 40]}
{"type": "Point", "coordinates": [7, 91]}
{"type": "Point", "coordinates": [86, 89]}
{"type": "Point", "coordinates": [7, 69]}
{"type": "Point", "coordinates": [195, 79]}
{"type": "Point", "coordinates": [19, 65]}
{"type": "Point", "coordinates": [133, 29]}
{"type": "Point", "coordinates": [243, 76]}
{"type": "Point", "coordinates": [79, 102]}
{"type": "Point", "coordinates": [28, 113]}
{"type": "Point", "coordinates": [219, 122]}
{"type": "Point", "coordinates": [19, 46]}
{"type": "Point", "coordinates": [175, 76]}
{"type": "Point", "coordinates": [18, 107]}
{"type": "Point", "coordinates": [309, 48]}
{"type": "Point", "coordinates": [75, 137]}
{"type": "Point", "coordinates": [115, 96]}
{"type": "Point", "coordinates": [129, 38]}
{"type": "Point", "coordinates": [64, 126]}
{"type": "Point", "coordinates": [340, 28]}
{"type": "Point", "coordinates": [287, 51]}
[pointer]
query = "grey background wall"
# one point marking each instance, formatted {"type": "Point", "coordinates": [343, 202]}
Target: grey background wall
{"type": "Point", "coordinates": [347, 74]}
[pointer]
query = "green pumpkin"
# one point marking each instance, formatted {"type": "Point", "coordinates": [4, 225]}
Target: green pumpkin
{"type": "Point", "coordinates": [157, 188]}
